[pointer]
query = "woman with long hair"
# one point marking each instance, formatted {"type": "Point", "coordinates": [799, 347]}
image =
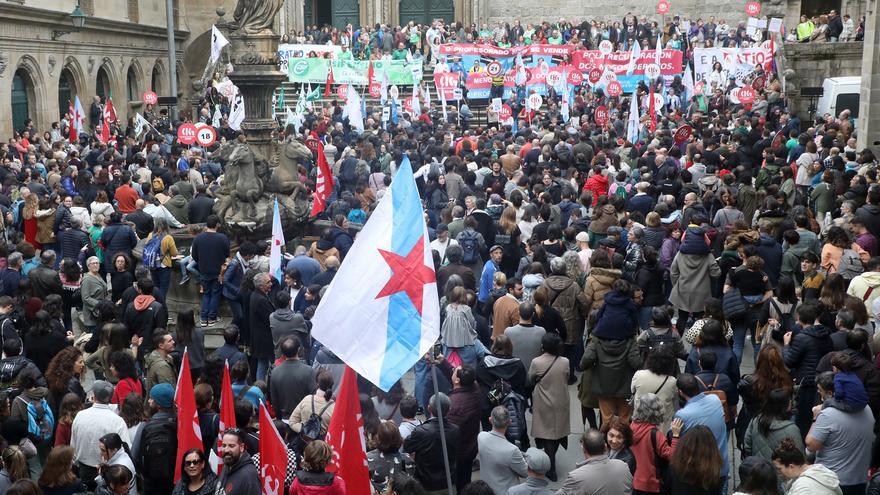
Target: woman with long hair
{"type": "Point", "coordinates": [29, 219]}
{"type": "Point", "coordinates": [837, 240]}
{"type": "Point", "coordinates": [546, 316]}
{"type": "Point", "coordinates": [696, 463]}
{"type": "Point", "coordinates": [508, 235]}
{"type": "Point", "coordinates": [459, 331]}
{"type": "Point", "coordinates": [167, 254]}
{"type": "Point", "coordinates": [196, 477]}
{"type": "Point", "coordinates": [192, 338]}
{"type": "Point", "coordinates": [115, 338]}
{"type": "Point", "coordinates": [132, 412]}
{"type": "Point", "coordinates": [779, 309]}
{"type": "Point", "coordinates": [770, 374]}
{"type": "Point", "coordinates": [832, 298]}
{"type": "Point", "coordinates": [386, 458]}
{"type": "Point", "coordinates": [57, 477]}
{"type": "Point", "coordinates": [712, 310]}
{"type": "Point", "coordinates": [15, 467]}
{"type": "Point", "coordinates": [70, 405]}
{"type": "Point", "coordinates": [44, 339]}
{"type": "Point", "coordinates": [115, 452]}
{"type": "Point", "coordinates": [320, 403]}
{"type": "Point", "coordinates": [122, 366]}
{"type": "Point", "coordinates": [93, 290]}
{"type": "Point", "coordinates": [658, 378]}
{"type": "Point", "coordinates": [712, 340]}
{"type": "Point", "coordinates": [529, 220]}
{"type": "Point", "coordinates": [773, 425]}
{"type": "Point", "coordinates": [63, 375]}
{"type": "Point", "coordinates": [758, 478]}
{"type": "Point", "coordinates": [755, 289]}
{"type": "Point", "coordinates": [316, 457]}
{"type": "Point", "coordinates": [71, 277]}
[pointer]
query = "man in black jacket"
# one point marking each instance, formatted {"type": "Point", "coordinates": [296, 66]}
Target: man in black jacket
{"type": "Point", "coordinates": [201, 205]}
{"type": "Point", "coordinates": [426, 444]}
{"type": "Point", "coordinates": [72, 240]}
{"type": "Point", "coordinates": [145, 314]}
{"type": "Point", "coordinates": [835, 27]}
{"type": "Point", "coordinates": [260, 308]}
{"type": "Point", "coordinates": [44, 279]}
{"type": "Point", "coordinates": [290, 381]}
{"type": "Point", "coordinates": [143, 221]}
{"type": "Point", "coordinates": [240, 475]}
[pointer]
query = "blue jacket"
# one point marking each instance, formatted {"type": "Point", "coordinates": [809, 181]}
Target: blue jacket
{"type": "Point", "coordinates": [618, 317]}
{"type": "Point", "coordinates": [771, 252]}
{"type": "Point", "coordinates": [307, 268]}
{"type": "Point", "coordinates": [706, 410]}
{"type": "Point", "coordinates": [486, 279]}
{"type": "Point", "coordinates": [641, 202]}
{"type": "Point", "coordinates": [232, 279]}
{"type": "Point", "coordinates": [117, 238]}
{"type": "Point", "coordinates": [725, 363]}
{"type": "Point", "coordinates": [342, 240]}
{"type": "Point", "coordinates": [69, 188]}
{"type": "Point", "coordinates": [694, 241]}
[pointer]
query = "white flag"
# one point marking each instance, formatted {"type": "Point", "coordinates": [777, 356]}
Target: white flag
{"type": "Point", "coordinates": [632, 125]}
{"type": "Point", "coordinates": [634, 55]}
{"type": "Point", "coordinates": [218, 41]}
{"type": "Point", "coordinates": [140, 125]}
{"type": "Point", "coordinates": [275, 256]}
{"type": "Point", "coordinates": [291, 118]}
{"type": "Point", "coordinates": [79, 116]}
{"type": "Point", "coordinates": [657, 52]}
{"type": "Point", "coordinates": [427, 97]}
{"type": "Point", "coordinates": [353, 109]}
{"type": "Point", "coordinates": [236, 113]}
{"type": "Point", "coordinates": [417, 107]}
{"type": "Point", "coordinates": [215, 120]}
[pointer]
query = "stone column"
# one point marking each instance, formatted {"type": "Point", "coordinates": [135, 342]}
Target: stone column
{"type": "Point", "coordinates": [295, 12]}
{"type": "Point", "coordinates": [869, 101]}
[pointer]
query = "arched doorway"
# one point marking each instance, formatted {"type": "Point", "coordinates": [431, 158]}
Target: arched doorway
{"type": "Point", "coordinates": [131, 84]}
{"type": "Point", "coordinates": [67, 90]}
{"type": "Point", "coordinates": [156, 80]}
{"type": "Point", "coordinates": [102, 84]}
{"type": "Point", "coordinates": [22, 98]}
{"type": "Point", "coordinates": [425, 11]}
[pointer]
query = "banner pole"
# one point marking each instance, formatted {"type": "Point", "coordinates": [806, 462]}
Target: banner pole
{"type": "Point", "coordinates": [439, 413]}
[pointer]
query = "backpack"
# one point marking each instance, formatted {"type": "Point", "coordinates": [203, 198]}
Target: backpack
{"type": "Point", "coordinates": [621, 192]}
{"type": "Point", "coordinates": [41, 422]}
{"type": "Point", "coordinates": [16, 213]}
{"type": "Point", "coordinates": [721, 394]}
{"type": "Point", "coordinates": [850, 265]}
{"type": "Point", "coordinates": [158, 185]}
{"type": "Point", "coordinates": [786, 321]}
{"type": "Point", "coordinates": [469, 247]}
{"type": "Point", "coordinates": [502, 394]}
{"type": "Point", "coordinates": [311, 428]}
{"type": "Point", "coordinates": [654, 341]}
{"type": "Point", "coordinates": [153, 252]}
{"type": "Point", "coordinates": [9, 370]}
{"type": "Point", "coordinates": [661, 465]}
{"type": "Point", "coordinates": [158, 449]}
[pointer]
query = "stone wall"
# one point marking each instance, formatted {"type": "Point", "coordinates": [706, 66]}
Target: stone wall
{"type": "Point", "coordinates": [812, 63]}
{"type": "Point", "coordinates": [530, 11]}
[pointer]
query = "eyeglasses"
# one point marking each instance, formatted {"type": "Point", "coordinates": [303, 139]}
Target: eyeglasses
{"type": "Point", "coordinates": [193, 463]}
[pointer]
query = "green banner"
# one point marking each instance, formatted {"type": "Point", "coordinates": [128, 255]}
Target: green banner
{"type": "Point", "coordinates": [314, 70]}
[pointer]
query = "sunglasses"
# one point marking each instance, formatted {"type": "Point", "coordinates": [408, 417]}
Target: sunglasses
{"type": "Point", "coordinates": [193, 463]}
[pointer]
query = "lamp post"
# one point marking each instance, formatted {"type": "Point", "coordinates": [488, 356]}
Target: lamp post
{"type": "Point", "coordinates": [77, 17]}
{"type": "Point", "coordinates": [172, 57]}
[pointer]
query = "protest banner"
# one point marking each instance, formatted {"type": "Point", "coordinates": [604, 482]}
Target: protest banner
{"type": "Point", "coordinates": [287, 51]}
{"type": "Point", "coordinates": [315, 70]}
{"type": "Point", "coordinates": [618, 62]}
{"type": "Point", "coordinates": [739, 62]}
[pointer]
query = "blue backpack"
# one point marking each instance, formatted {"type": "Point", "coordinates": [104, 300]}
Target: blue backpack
{"type": "Point", "coordinates": [41, 422]}
{"type": "Point", "coordinates": [153, 252]}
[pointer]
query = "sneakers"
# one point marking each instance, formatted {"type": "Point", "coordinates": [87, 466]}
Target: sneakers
{"type": "Point", "coordinates": [183, 280]}
{"type": "Point", "coordinates": [203, 323]}
{"type": "Point", "coordinates": [213, 322]}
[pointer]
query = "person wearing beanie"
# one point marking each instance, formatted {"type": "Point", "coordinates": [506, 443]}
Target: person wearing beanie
{"type": "Point", "coordinates": [159, 434]}
{"type": "Point", "coordinates": [91, 424]}
{"type": "Point", "coordinates": [537, 465]}
{"type": "Point", "coordinates": [843, 428]}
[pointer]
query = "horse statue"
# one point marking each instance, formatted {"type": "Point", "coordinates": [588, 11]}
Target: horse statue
{"type": "Point", "coordinates": [240, 180]}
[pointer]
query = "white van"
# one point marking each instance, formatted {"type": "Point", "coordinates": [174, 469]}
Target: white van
{"type": "Point", "coordinates": [840, 93]}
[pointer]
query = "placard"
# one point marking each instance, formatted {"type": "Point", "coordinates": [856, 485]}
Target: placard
{"type": "Point", "coordinates": [496, 105]}
{"type": "Point", "coordinates": [535, 101]}
{"type": "Point", "coordinates": [601, 116]}
{"type": "Point", "coordinates": [186, 133]}
{"type": "Point", "coordinates": [614, 89]}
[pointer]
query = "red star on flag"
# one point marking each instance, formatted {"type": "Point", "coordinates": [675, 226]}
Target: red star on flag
{"type": "Point", "coordinates": [409, 274]}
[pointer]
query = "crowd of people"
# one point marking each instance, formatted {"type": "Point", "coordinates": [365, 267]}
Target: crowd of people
{"type": "Point", "coordinates": [570, 262]}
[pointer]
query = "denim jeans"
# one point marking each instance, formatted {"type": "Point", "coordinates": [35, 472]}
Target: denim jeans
{"type": "Point", "coordinates": [162, 280]}
{"type": "Point", "coordinates": [210, 298]}
{"type": "Point", "coordinates": [263, 368]}
{"type": "Point", "coordinates": [645, 317]}
{"type": "Point", "coordinates": [237, 311]}
{"type": "Point", "coordinates": [742, 327]}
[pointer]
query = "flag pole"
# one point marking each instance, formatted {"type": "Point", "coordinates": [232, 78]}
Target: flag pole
{"type": "Point", "coordinates": [439, 413]}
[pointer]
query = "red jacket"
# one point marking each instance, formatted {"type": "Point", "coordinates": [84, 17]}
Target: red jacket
{"type": "Point", "coordinates": [309, 483]}
{"type": "Point", "coordinates": [598, 185]}
{"type": "Point", "coordinates": [645, 478]}
{"type": "Point", "coordinates": [125, 387]}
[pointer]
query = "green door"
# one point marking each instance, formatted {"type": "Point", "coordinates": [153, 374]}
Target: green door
{"type": "Point", "coordinates": [345, 12]}
{"type": "Point", "coordinates": [63, 94]}
{"type": "Point", "coordinates": [19, 102]}
{"type": "Point", "coordinates": [425, 11]}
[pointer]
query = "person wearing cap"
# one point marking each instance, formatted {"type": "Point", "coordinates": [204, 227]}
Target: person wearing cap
{"type": "Point", "coordinates": [442, 242]}
{"type": "Point", "coordinates": [163, 423]}
{"type": "Point", "coordinates": [537, 465]}
{"type": "Point", "coordinates": [491, 266]}
{"type": "Point", "coordinates": [91, 424]}
{"type": "Point", "coordinates": [584, 251]}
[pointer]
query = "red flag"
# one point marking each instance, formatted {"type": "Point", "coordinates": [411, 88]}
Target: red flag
{"type": "Point", "coordinates": [323, 183]}
{"type": "Point", "coordinates": [189, 435]}
{"type": "Point", "coordinates": [273, 455]}
{"type": "Point", "coordinates": [346, 436]}
{"type": "Point", "coordinates": [370, 75]}
{"type": "Point", "coordinates": [327, 86]}
{"type": "Point", "coordinates": [652, 111]}
{"type": "Point", "coordinates": [227, 411]}
{"type": "Point", "coordinates": [109, 116]}
{"type": "Point", "coordinates": [71, 124]}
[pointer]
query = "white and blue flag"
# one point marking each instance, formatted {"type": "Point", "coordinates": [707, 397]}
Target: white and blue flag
{"type": "Point", "coordinates": [275, 260]}
{"type": "Point", "coordinates": [381, 312]}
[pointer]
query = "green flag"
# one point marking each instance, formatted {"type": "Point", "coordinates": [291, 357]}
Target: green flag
{"type": "Point", "coordinates": [315, 95]}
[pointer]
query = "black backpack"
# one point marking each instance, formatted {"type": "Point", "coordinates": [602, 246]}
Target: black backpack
{"type": "Point", "coordinates": [787, 321]}
{"type": "Point", "coordinates": [158, 449]}
{"type": "Point", "coordinates": [654, 341]}
{"type": "Point", "coordinates": [469, 247]}
{"type": "Point", "coordinates": [311, 429]}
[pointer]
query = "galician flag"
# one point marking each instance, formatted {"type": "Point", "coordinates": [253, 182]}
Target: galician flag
{"type": "Point", "coordinates": [79, 118]}
{"type": "Point", "coordinates": [275, 249]}
{"type": "Point", "coordinates": [657, 52]}
{"type": "Point", "coordinates": [381, 312]}
{"type": "Point", "coordinates": [634, 55]}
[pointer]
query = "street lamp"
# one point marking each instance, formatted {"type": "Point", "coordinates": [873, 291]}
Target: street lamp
{"type": "Point", "coordinates": [78, 17]}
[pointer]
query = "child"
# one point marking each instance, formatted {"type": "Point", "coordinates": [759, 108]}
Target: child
{"type": "Point", "coordinates": [813, 278]}
{"type": "Point", "coordinates": [187, 264]}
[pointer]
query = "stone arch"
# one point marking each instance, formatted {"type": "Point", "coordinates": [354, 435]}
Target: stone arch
{"type": "Point", "coordinates": [106, 79]}
{"type": "Point", "coordinates": [34, 86]}
{"type": "Point", "coordinates": [71, 83]}
{"type": "Point", "coordinates": [133, 81]}
{"type": "Point", "coordinates": [159, 78]}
